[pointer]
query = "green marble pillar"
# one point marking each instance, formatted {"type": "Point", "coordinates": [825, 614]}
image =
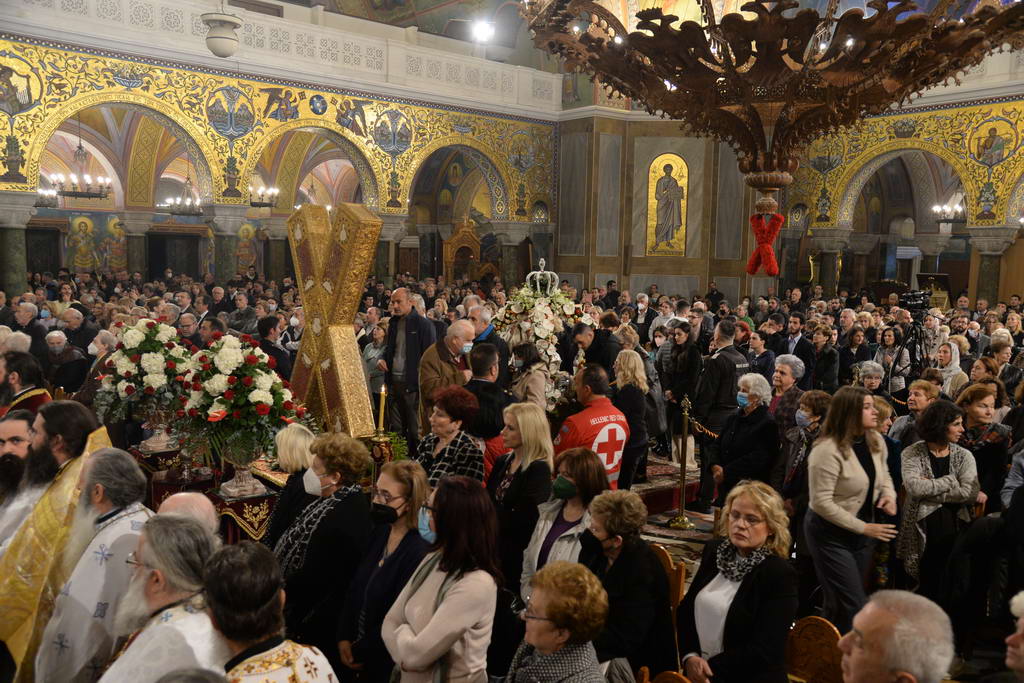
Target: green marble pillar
{"type": "Point", "coordinates": [138, 256]}
{"type": "Point", "coordinates": [225, 251]}
{"type": "Point", "coordinates": [277, 259]}
{"type": "Point", "coordinates": [829, 277]}
{"type": "Point", "coordinates": [988, 277]}
{"type": "Point", "coordinates": [14, 264]}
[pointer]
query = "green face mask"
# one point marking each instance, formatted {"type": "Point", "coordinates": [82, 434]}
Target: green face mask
{"type": "Point", "coordinates": [563, 488]}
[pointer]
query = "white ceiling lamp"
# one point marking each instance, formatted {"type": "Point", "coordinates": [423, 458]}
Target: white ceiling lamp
{"type": "Point", "coordinates": [221, 38]}
{"type": "Point", "coordinates": [483, 31]}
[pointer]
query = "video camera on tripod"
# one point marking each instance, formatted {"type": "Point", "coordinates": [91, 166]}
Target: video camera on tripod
{"type": "Point", "coordinates": [917, 302]}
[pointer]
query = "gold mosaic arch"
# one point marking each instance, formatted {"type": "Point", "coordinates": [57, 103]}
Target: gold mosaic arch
{"type": "Point", "coordinates": [67, 110]}
{"type": "Point", "coordinates": [951, 133]}
{"type": "Point", "coordinates": [497, 160]}
{"type": "Point", "coordinates": [373, 157]}
{"type": "Point", "coordinates": [847, 193]}
{"type": "Point", "coordinates": [287, 180]}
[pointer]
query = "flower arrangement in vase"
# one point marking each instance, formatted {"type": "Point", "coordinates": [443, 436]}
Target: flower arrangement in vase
{"type": "Point", "coordinates": [145, 374]}
{"type": "Point", "coordinates": [537, 313]}
{"type": "Point", "coordinates": [234, 405]}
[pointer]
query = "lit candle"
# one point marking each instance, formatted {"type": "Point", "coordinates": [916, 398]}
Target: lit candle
{"type": "Point", "coordinates": [383, 400]}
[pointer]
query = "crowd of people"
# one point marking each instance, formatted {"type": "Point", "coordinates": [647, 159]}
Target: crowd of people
{"type": "Point", "coordinates": [862, 460]}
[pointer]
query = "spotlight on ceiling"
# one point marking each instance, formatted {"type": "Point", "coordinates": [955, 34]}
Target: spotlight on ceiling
{"type": "Point", "coordinates": [483, 31]}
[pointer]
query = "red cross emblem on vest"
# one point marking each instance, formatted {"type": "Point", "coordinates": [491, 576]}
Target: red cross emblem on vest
{"type": "Point", "coordinates": [610, 442]}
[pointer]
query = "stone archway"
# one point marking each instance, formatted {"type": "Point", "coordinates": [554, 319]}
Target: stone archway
{"type": "Point", "coordinates": [497, 183]}
{"type": "Point", "coordinates": [365, 170]}
{"type": "Point", "coordinates": [184, 129]}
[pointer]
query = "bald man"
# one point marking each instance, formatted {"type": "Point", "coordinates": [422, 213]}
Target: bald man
{"type": "Point", "coordinates": [192, 504]}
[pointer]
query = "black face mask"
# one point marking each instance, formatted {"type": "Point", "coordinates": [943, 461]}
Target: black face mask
{"type": "Point", "coordinates": [383, 514]}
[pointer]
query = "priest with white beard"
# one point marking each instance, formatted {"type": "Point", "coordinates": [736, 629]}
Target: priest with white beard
{"type": "Point", "coordinates": [79, 638]}
{"type": "Point", "coordinates": [163, 610]}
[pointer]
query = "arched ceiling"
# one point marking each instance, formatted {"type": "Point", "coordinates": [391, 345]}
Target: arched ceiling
{"type": "Point", "coordinates": [299, 157]}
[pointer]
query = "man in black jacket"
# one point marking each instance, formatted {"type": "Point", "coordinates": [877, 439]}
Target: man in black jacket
{"type": "Point", "coordinates": [480, 316]}
{"type": "Point", "coordinates": [78, 330]}
{"type": "Point", "coordinates": [269, 329]}
{"type": "Point", "coordinates": [409, 335]}
{"type": "Point", "coordinates": [716, 400]}
{"type": "Point", "coordinates": [599, 346]}
{"type": "Point", "coordinates": [801, 347]}
{"type": "Point", "coordinates": [25, 321]}
{"type": "Point", "coordinates": [490, 419]}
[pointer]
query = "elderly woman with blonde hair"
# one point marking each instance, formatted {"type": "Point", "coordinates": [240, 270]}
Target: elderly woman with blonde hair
{"type": "Point", "coordinates": [638, 631]}
{"type": "Point", "coordinates": [321, 550]}
{"type": "Point", "coordinates": [737, 613]}
{"type": "Point", "coordinates": [291, 446]}
{"type": "Point", "coordinates": [749, 442]}
{"type": "Point", "coordinates": [567, 611]}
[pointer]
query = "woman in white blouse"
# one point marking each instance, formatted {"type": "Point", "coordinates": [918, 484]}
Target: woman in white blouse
{"type": "Point", "coordinates": [735, 618]}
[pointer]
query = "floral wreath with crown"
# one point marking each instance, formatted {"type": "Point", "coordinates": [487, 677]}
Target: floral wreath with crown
{"type": "Point", "coordinates": [537, 313]}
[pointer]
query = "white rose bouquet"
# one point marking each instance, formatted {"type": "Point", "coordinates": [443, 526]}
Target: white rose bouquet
{"type": "Point", "coordinates": [147, 371]}
{"type": "Point", "coordinates": [235, 402]}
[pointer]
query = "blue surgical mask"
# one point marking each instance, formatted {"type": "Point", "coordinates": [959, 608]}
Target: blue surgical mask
{"type": "Point", "coordinates": [426, 533]}
{"type": "Point", "coordinates": [741, 399]}
{"type": "Point", "coordinates": [44, 313]}
{"type": "Point", "coordinates": [803, 420]}
{"type": "Point", "coordinates": [466, 348]}
{"type": "Point", "coordinates": [518, 363]}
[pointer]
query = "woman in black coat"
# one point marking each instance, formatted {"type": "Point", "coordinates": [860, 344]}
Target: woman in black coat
{"type": "Point", "coordinates": [684, 366]}
{"type": "Point", "coordinates": [735, 618]}
{"type": "Point", "coordinates": [749, 442]}
{"type": "Point", "coordinates": [519, 481]}
{"type": "Point", "coordinates": [291, 446]}
{"type": "Point", "coordinates": [855, 351]}
{"type": "Point", "coordinates": [826, 362]}
{"type": "Point", "coordinates": [395, 550]}
{"type": "Point", "coordinates": [631, 399]}
{"type": "Point", "coordinates": [320, 552]}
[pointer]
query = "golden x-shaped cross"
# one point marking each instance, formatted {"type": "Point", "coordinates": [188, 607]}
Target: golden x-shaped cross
{"type": "Point", "coordinates": [331, 266]}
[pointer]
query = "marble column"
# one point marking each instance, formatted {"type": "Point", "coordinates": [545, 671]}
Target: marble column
{"type": "Point", "coordinates": [932, 245]}
{"type": "Point", "coordinates": [394, 227]}
{"type": "Point", "coordinates": [990, 243]}
{"type": "Point", "coordinates": [861, 244]}
{"type": "Point", "coordinates": [16, 209]}
{"type": "Point", "coordinates": [136, 225]}
{"type": "Point", "coordinates": [225, 220]}
{"type": "Point", "coordinates": [789, 256]}
{"type": "Point", "coordinates": [830, 242]}
{"type": "Point", "coordinates": [277, 246]}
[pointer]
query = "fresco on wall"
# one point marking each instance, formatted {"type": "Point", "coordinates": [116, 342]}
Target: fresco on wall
{"type": "Point", "coordinates": [666, 205]}
{"type": "Point", "coordinates": [247, 252]}
{"type": "Point", "coordinates": [93, 240]}
{"type": "Point", "coordinates": [114, 247]}
{"type": "Point", "coordinates": [80, 245]}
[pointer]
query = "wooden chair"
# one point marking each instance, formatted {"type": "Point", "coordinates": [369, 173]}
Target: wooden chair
{"type": "Point", "coordinates": [644, 676]}
{"type": "Point", "coordinates": [676, 574]}
{"type": "Point", "coordinates": [812, 652]}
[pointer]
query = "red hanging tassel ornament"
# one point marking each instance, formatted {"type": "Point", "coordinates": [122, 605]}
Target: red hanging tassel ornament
{"type": "Point", "coordinates": [765, 235]}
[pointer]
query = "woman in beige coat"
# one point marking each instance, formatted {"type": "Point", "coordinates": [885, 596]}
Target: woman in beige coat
{"type": "Point", "coordinates": [439, 627]}
{"type": "Point", "coordinates": [531, 376]}
{"type": "Point", "coordinates": [850, 488]}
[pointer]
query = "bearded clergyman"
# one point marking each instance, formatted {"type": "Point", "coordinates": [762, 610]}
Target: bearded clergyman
{"type": "Point", "coordinates": [17, 495]}
{"type": "Point", "coordinates": [79, 640]}
{"type": "Point", "coordinates": [31, 573]}
{"type": "Point", "coordinates": [163, 613]}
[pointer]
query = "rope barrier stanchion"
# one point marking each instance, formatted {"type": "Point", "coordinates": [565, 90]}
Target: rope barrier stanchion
{"type": "Point", "coordinates": [681, 521]}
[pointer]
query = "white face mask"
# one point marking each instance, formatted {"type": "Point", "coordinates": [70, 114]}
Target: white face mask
{"type": "Point", "coordinates": [311, 483]}
{"type": "Point", "coordinates": [293, 321]}
{"type": "Point", "coordinates": [93, 351]}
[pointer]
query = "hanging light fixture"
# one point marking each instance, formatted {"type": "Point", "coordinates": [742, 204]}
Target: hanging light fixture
{"type": "Point", "coordinates": [81, 185]}
{"type": "Point", "coordinates": [46, 199]}
{"type": "Point", "coordinates": [263, 197]}
{"type": "Point", "coordinates": [185, 204]}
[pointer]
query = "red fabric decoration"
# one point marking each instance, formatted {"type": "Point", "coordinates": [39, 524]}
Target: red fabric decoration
{"type": "Point", "coordinates": [763, 254]}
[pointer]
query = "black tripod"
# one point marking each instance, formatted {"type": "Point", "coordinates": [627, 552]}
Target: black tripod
{"type": "Point", "coordinates": [916, 335]}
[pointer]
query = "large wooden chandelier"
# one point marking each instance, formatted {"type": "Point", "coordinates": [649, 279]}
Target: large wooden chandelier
{"type": "Point", "coordinates": [770, 84]}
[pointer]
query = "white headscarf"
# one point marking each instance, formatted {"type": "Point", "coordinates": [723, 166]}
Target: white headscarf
{"type": "Point", "coordinates": [950, 371]}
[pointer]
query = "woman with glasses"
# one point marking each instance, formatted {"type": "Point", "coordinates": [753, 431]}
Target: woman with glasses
{"type": "Point", "coordinates": [736, 615]}
{"type": "Point", "coordinates": [638, 631]}
{"type": "Point", "coordinates": [395, 550]}
{"type": "Point", "coordinates": [321, 550]}
{"type": "Point", "coordinates": [439, 627]}
{"type": "Point", "coordinates": [850, 486]}
{"type": "Point", "coordinates": [567, 610]}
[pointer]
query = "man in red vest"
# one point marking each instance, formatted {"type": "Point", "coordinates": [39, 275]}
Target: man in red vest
{"type": "Point", "coordinates": [21, 383]}
{"type": "Point", "coordinates": [600, 426]}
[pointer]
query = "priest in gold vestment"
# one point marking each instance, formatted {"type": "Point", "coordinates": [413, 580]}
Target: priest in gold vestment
{"type": "Point", "coordinates": [31, 571]}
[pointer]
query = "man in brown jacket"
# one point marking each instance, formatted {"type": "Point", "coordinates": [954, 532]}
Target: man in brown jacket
{"type": "Point", "coordinates": [444, 364]}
